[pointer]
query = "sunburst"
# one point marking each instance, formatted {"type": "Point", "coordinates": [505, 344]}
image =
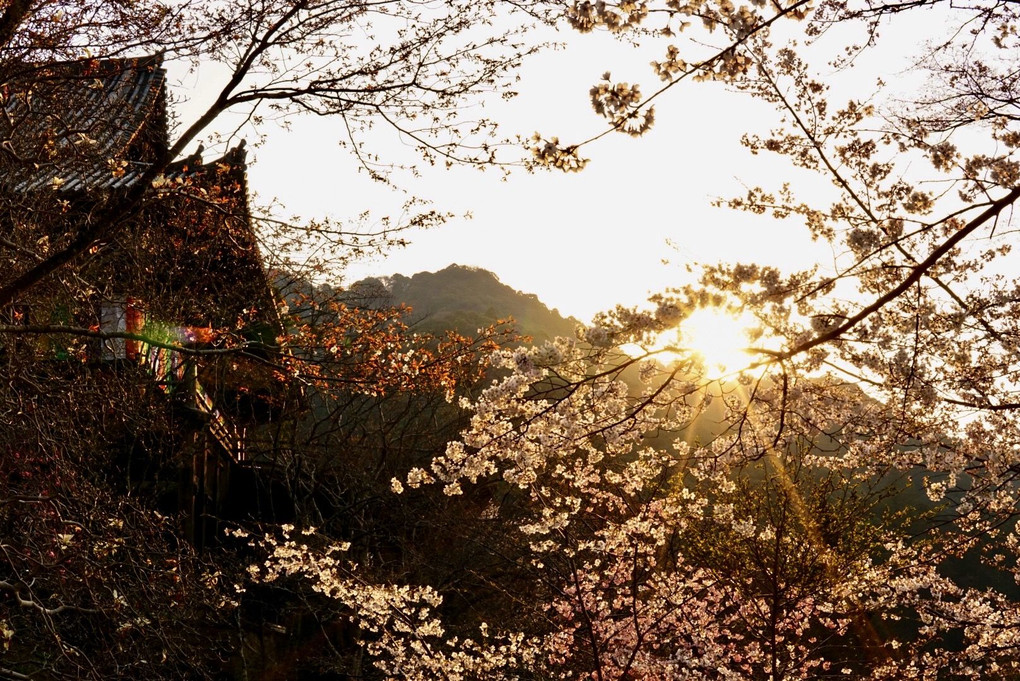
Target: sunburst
{"type": "Point", "coordinates": [719, 339]}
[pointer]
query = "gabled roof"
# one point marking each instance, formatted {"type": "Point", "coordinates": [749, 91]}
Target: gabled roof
{"type": "Point", "coordinates": [78, 126]}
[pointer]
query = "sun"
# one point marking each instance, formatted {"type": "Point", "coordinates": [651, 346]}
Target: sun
{"type": "Point", "coordinates": [720, 339]}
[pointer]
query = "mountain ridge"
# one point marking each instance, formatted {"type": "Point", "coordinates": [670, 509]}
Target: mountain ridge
{"type": "Point", "coordinates": [463, 298]}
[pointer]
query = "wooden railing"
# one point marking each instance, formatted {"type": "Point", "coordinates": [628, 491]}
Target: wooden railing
{"type": "Point", "coordinates": [177, 374]}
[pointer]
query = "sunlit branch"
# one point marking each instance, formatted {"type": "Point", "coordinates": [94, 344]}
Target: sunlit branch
{"type": "Point", "coordinates": [921, 268]}
{"type": "Point", "coordinates": [695, 69]}
{"type": "Point", "coordinates": [916, 273]}
{"type": "Point", "coordinates": [984, 406]}
{"type": "Point", "coordinates": [15, 591]}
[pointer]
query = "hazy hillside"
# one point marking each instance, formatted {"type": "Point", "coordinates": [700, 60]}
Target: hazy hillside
{"type": "Point", "coordinates": [464, 299]}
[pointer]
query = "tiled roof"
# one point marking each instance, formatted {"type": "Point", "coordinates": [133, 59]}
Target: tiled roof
{"type": "Point", "coordinates": [72, 126]}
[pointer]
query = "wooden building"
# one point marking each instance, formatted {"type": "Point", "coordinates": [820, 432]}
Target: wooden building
{"type": "Point", "coordinates": [177, 291]}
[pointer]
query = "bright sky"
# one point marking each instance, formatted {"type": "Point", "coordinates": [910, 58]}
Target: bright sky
{"type": "Point", "coordinates": [582, 242]}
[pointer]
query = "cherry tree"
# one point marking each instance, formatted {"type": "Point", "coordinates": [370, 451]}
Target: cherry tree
{"type": "Point", "coordinates": [897, 361]}
{"type": "Point", "coordinates": [865, 450]}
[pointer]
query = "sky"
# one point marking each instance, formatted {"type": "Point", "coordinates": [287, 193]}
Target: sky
{"type": "Point", "coordinates": [621, 229]}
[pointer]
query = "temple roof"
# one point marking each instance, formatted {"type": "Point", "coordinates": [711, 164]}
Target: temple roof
{"type": "Point", "coordinates": [85, 126]}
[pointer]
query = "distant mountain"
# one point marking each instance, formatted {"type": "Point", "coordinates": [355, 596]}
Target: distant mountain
{"type": "Point", "coordinates": [462, 299]}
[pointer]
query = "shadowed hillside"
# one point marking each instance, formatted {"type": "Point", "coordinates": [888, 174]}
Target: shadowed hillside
{"type": "Point", "coordinates": [462, 299]}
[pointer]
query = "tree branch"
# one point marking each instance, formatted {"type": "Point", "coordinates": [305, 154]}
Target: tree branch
{"type": "Point", "coordinates": [916, 273]}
